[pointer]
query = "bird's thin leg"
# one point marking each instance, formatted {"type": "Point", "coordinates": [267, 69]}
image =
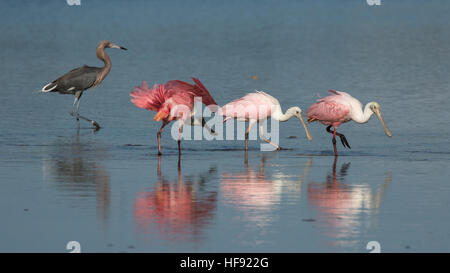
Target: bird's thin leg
{"type": "Point", "coordinates": [180, 130]}
{"type": "Point", "coordinates": [341, 136]}
{"type": "Point", "coordinates": [211, 131]}
{"type": "Point", "coordinates": [250, 124]}
{"type": "Point", "coordinates": [334, 142]}
{"type": "Point", "coordinates": [261, 132]}
{"type": "Point", "coordinates": [159, 137]}
{"type": "Point", "coordinates": [77, 113]}
{"type": "Point", "coordinates": [333, 139]}
{"type": "Point", "coordinates": [75, 101]}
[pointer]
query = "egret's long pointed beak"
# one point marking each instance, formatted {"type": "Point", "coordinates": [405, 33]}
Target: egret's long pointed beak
{"type": "Point", "coordinates": [117, 46]}
{"type": "Point", "coordinates": [386, 129]}
{"type": "Point", "coordinates": [308, 134]}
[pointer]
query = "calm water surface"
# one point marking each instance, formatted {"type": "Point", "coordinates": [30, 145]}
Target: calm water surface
{"type": "Point", "coordinates": [111, 192]}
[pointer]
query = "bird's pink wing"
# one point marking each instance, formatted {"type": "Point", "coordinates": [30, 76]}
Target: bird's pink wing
{"type": "Point", "coordinates": [149, 98]}
{"type": "Point", "coordinates": [201, 91]}
{"type": "Point", "coordinates": [329, 109]}
{"type": "Point", "coordinates": [185, 90]}
{"type": "Point", "coordinates": [251, 106]}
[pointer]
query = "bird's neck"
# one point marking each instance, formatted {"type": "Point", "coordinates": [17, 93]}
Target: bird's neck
{"type": "Point", "coordinates": [278, 114]}
{"type": "Point", "coordinates": [361, 116]}
{"type": "Point", "coordinates": [106, 67]}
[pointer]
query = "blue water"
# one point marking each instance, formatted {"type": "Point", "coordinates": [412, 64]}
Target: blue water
{"type": "Point", "coordinates": [109, 190]}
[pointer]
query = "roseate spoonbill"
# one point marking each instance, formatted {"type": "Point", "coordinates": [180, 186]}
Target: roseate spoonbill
{"type": "Point", "coordinates": [258, 106]}
{"type": "Point", "coordinates": [173, 100]}
{"type": "Point", "coordinates": [76, 81]}
{"type": "Point", "coordinates": [340, 107]}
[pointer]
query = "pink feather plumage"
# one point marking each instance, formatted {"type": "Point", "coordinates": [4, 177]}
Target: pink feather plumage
{"type": "Point", "coordinates": [163, 97]}
{"type": "Point", "coordinates": [331, 110]}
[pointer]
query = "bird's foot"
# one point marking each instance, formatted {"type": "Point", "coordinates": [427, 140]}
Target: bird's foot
{"type": "Point", "coordinates": [279, 148]}
{"type": "Point", "coordinates": [344, 141]}
{"type": "Point", "coordinates": [95, 124]}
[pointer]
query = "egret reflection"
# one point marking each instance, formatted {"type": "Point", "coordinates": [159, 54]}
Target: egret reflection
{"type": "Point", "coordinates": [346, 211]}
{"type": "Point", "coordinates": [76, 167]}
{"type": "Point", "coordinates": [177, 209]}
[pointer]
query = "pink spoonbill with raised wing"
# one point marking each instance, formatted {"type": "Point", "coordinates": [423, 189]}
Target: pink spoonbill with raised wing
{"type": "Point", "coordinates": [340, 107]}
{"type": "Point", "coordinates": [173, 100]}
{"type": "Point", "coordinates": [256, 107]}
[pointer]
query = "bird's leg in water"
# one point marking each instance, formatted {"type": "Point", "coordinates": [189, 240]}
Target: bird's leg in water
{"type": "Point", "coordinates": [180, 130]}
{"type": "Point", "coordinates": [73, 106]}
{"type": "Point", "coordinates": [159, 137]}
{"type": "Point", "coordinates": [261, 132]}
{"type": "Point", "coordinates": [77, 113]}
{"type": "Point", "coordinates": [250, 124]}
{"type": "Point", "coordinates": [341, 136]}
{"type": "Point", "coordinates": [195, 121]}
{"type": "Point", "coordinates": [333, 139]}
{"type": "Point", "coordinates": [211, 130]}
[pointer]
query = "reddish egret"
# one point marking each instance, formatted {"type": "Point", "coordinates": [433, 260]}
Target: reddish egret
{"type": "Point", "coordinates": [173, 100]}
{"type": "Point", "coordinates": [79, 79]}
{"type": "Point", "coordinates": [259, 106]}
{"type": "Point", "coordinates": [340, 107]}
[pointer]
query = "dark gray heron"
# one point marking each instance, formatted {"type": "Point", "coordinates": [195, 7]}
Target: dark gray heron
{"type": "Point", "coordinates": [76, 81]}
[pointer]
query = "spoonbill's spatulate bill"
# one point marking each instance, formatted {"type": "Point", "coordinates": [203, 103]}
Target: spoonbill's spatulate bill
{"type": "Point", "coordinates": [340, 107]}
{"type": "Point", "coordinates": [79, 79]}
{"type": "Point", "coordinates": [258, 106]}
{"type": "Point", "coordinates": [173, 100]}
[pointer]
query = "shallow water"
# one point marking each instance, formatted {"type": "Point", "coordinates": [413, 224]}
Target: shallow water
{"type": "Point", "coordinates": [110, 191]}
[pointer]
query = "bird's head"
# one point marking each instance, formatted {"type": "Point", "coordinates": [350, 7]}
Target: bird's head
{"type": "Point", "coordinates": [375, 107]}
{"type": "Point", "coordinates": [109, 44]}
{"type": "Point", "coordinates": [296, 111]}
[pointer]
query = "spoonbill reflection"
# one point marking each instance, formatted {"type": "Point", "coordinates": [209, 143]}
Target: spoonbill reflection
{"type": "Point", "coordinates": [177, 210]}
{"type": "Point", "coordinates": [346, 210]}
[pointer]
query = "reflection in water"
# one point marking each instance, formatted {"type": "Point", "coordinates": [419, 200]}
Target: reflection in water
{"type": "Point", "coordinates": [77, 168]}
{"type": "Point", "coordinates": [257, 194]}
{"type": "Point", "coordinates": [179, 210]}
{"type": "Point", "coordinates": [345, 210]}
